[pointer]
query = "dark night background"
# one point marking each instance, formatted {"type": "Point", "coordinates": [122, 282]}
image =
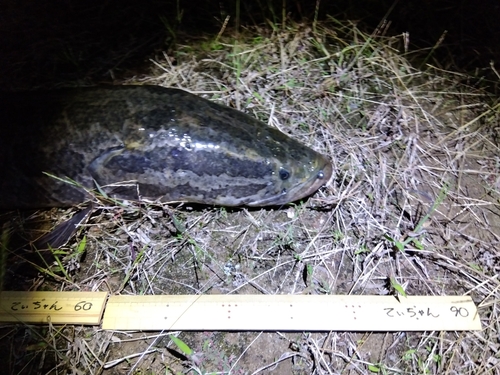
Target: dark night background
{"type": "Point", "coordinates": [71, 40]}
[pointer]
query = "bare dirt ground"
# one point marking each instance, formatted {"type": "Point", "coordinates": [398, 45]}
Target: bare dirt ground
{"type": "Point", "coordinates": [414, 197]}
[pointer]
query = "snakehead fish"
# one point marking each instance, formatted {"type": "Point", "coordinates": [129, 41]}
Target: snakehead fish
{"type": "Point", "coordinates": [168, 144]}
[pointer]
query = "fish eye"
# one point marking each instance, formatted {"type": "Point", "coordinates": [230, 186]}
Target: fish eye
{"type": "Point", "coordinates": [284, 174]}
{"type": "Point", "coordinates": [321, 174]}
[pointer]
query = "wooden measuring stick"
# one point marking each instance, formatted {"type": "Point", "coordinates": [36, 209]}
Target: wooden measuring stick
{"type": "Point", "coordinates": [243, 312]}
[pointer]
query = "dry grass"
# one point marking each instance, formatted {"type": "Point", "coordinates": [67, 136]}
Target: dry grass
{"type": "Point", "coordinates": [417, 162]}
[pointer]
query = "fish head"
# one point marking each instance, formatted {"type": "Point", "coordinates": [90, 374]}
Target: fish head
{"type": "Point", "coordinates": [296, 172]}
{"type": "Point", "coordinates": [260, 168]}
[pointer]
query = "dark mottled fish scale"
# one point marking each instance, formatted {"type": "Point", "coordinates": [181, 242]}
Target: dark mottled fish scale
{"type": "Point", "coordinates": [173, 145]}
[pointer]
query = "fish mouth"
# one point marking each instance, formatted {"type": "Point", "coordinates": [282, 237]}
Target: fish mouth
{"type": "Point", "coordinates": [320, 177]}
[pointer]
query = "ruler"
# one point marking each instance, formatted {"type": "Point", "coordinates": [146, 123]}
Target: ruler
{"type": "Point", "coordinates": [291, 313]}
{"type": "Point", "coordinates": [244, 312]}
{"type": "Point", "coordinates": [52, 307]}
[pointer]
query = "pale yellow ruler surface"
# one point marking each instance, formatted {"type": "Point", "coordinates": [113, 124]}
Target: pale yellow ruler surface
{"type": "Point", "coordinates": [291, 312]}
{"type": "Point", "coordinates": [242, 312]}
{"type": "Point", "coordinates": [53, 307]}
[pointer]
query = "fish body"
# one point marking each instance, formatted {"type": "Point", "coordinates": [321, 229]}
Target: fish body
{"type": "Point", "coordinates": [168, 144]}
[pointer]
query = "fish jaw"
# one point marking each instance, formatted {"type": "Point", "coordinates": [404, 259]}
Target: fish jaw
{"type": "Point", "coordinates": [318, 178]}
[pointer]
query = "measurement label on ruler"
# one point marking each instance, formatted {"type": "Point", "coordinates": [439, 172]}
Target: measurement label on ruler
{"type": "Point", "coordinates": [53, 307]}
{"type": "Point", "coordinates": [292, 313]}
